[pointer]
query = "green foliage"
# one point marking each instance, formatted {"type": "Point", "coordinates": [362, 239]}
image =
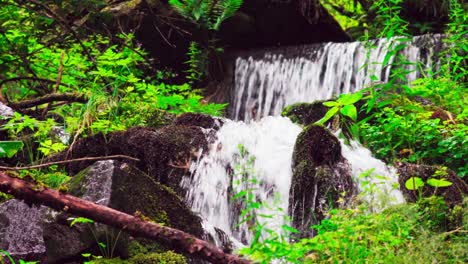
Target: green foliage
{"type": "Point", "coordinates": [79, 220]}
{"type": "Point", "coordinates": [11, 260]}
{"type": "Point", "coordinates": [9, 148]}
{"type": "Point", "coordinates": [399, 234]}
{"type": "Point", "coordinates": [167, 257]}
{"type": "Point", "coordinates": [114, 75]}
{"type": "Point", "coordinates": [425, 121]}
{"type": "Point", "coordinates": [207, 14]}
{"type": "Point", "coordinates": [343, 105]}
{"type": "Point", "coordinates": [457, 53]}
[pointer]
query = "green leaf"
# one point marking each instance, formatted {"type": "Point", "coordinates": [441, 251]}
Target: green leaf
{"type": "Point", "coordinates": [414, 183]}
{"type": "Point", "coordinates": [349, 99]}
{"type": "Point", "coordinates": [9, 148]}
{"type": "Point", "coordinates": [349, 111]}
{"type": "Point", "coordinates": [82, 220]}
{"type": "Point", "coordinates": [289, 229]}
{"type": "Point", "coordinates": [439, 183]}
{"type": "Point", "coordinates": [330, 113]}
{"type": "Point", "coordinates": [330, 103]}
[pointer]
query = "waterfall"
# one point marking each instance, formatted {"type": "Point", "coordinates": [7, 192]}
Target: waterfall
{"type": "Point", "coordinates": [270, 140]}
{"type": "Point", "coordinates": [213, 182]}
{"type": "Point", "coordinates": [254, 154]}
{"type": "Point", "coordinates": [266, 82]}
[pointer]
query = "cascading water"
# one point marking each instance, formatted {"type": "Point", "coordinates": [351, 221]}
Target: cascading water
{"type": "Point", "coordinates": [212, 185]}
{"type": "Point", "coordinates": [267, 82]}
{"type": "Point", "coordinates": [215, 178]}
{"type": "Point", "coordinates": [264, 85]}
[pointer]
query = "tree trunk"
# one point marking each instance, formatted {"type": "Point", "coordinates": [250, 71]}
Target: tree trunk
{"type": "Point", "coordinates": [176, 239]}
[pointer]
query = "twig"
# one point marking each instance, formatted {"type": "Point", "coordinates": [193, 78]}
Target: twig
{"type": "Point", "coordinates": [57, 84]}
{"type": "Point", "coordinates": [68, 161]}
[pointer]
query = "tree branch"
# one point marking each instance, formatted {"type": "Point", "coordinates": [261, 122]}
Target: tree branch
{"type": "Point", "coordinates": [68, 161]}
{"type": "Point", "coordinates": [69, 97]}
{"type": "Point", "coordinates": [176, 239]}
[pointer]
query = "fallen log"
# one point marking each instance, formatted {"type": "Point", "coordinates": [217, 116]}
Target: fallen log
{"type": "Point", "coordinates": [134, 225]}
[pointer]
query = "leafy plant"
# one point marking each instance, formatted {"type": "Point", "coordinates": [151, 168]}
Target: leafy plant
{"type": "Point", "coordinates": [107, 249]}
{"type": "Point", "coordinates": [208, 14]}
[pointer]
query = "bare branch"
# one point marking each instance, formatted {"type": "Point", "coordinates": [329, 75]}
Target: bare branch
{"type": "Point", "coordinates": [69, 97]}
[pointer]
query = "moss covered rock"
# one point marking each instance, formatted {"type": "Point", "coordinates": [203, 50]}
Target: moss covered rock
{"type": "Point", "coordinates": [305, 113]}
{"type": "Point", "coordinates": [321, 178]}
{"type": "Point", "coordinates": [123, 187]}
{"type": "Point", "coordinates": [167, 257]}
{"type": "Point", "coordinates": [200, 120]}
{"type": "Point", "coordinates": [453, 194]}
{"type": "Point", "coordinates": [165, 154]}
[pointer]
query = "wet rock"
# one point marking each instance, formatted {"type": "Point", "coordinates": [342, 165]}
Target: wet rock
{"type": "Point", "coordinates": [200, 120]}
{"type": "Point", "coordinates": [321, 178]}
{"type": "Point", "coordinates": [5, 111]}
{"type": "Point", "coordinates": [453, 195]}
{"type": "Point", "coordinates": [305, 113]}
{"type": "Point", "coordinates": [21, 232]}
{"type": "Point", "coordinates": [165, 154]}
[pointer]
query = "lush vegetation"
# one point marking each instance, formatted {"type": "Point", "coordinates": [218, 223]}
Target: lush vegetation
{"type": "Point", "coordinates": [109, 84]}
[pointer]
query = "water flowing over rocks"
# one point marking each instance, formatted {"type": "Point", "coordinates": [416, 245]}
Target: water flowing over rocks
{"type": "Point", "coordinates": [266, 81]}
{"type": "Point", "coordinates": [321, 177]}
{"type": "Point", "coordinates": [240, 154]}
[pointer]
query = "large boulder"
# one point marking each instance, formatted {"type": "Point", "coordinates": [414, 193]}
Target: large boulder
{"type": "Point", "coordinates": [452, 194]}
{"type": "Point", "coordinates": [122, 187]}
{"type": "Point", "coordinates": [305, 113]}
{"type": "Point", "coordinates": [321, 178]}
{"type": "Point", "coordinates": [165, 154]}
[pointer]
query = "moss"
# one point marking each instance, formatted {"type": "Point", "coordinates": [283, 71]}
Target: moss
{"type": "Point", "coordinates": [167, 257]}
{"type": "Point", "coordinates": [133, 190]}
{"type": "Point", "coordinates": [316, 144]}
{"type": "Point", "coordinates": [320, 177]}
{"type": "Point", "coordinates": [75, 183]}
{"type": "Point", "coordinates": [305, 113]}
{"type": "Point", "coordinates": [109, 261]}
{"type": "Point", "coordinates": [453, 194]}
{"type": "Point", "coordinates": [200, 120]}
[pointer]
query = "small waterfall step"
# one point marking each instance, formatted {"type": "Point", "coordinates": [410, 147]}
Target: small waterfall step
{"type": "Point", "coordinates": [267, 81]}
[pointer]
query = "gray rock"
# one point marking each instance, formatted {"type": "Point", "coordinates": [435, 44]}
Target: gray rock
{"type": "Point", "coordinates": [21, 232]}
{"type": "Point", "coordinates": [5, 111]}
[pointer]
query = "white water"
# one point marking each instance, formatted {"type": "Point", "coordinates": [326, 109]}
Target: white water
{"type": "Point", "coordinates": [212, 184]}
{"type": "Point", "coordinates": [271, 141]}
{"type": "Point", "coordinates": [380, 188]}
{"type": "Point", "coordinates": [266, 83]}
